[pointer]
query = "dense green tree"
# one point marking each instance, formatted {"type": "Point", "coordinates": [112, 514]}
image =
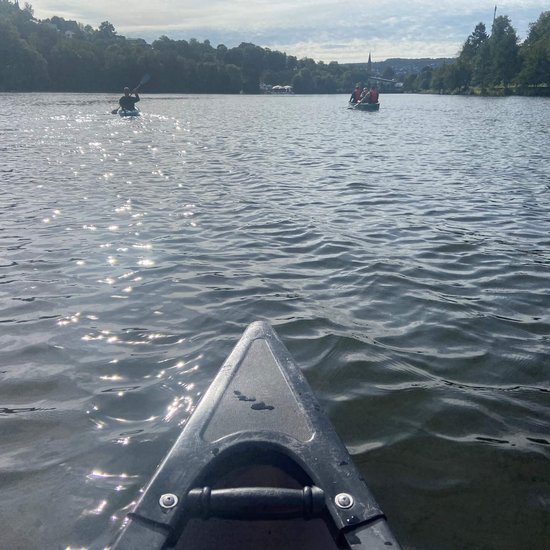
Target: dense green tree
{"type": "Point", "coordinates": [424, 81]}
{"type": "Point", "coordinates": [409, 83]}
{"type": "Point", "coordinates": [43, 38]}
{"type": "Point", "coordinates": [21, 67]}
{"type": "Point", "coordinates": [473, 44]}
{"type": "Point", "coordinates": [458, 77]}
{"type": "Point", "coordinates": [503, 52]}
{"type": "Point", "coordinates": [482, 67]}
{"type": "Point", "coordinates": [535, 53]}
{"type": "Point", "coordinates": [201, 51]}
{"type": "Point", "coordinates": [303, 82]}
{"type": "Point", "coordinates": [438, 80]}
{"type": "Point", "coordinates": [208, 77]}
{"type": "Point", "coordinates": [251, 66]}
{"type": "Point", "coordinates": [234, 56]}
{"type": "Point", "coordinates": [291, 62]}
{"type": "Point", "coordinates": [65, 26]}
{"type": "Point", "coordinates": [9, 10]}
{"type": "Point", "coordinates": [352, 77]}
{"type": "Point", "coordinates": [326, 84]}
{"type": "Point", "coordinates": [107, 30]}
{"type": "Point", "coordinates": [484, 61]}
{"type": "Point", "coordinates": [221, 53]}
{"type": "Point", "coordinates": [74, 66]}
{"type": "Point", "coordinates": [274, 61]}
{"type": "Point", "coordinates": [232, 79]}
{"type": "Point", "coordinates": [122, 64]}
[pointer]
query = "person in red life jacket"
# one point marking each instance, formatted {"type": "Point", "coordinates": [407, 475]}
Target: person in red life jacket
{"type": "Point", "coordinates": [374, 94]}
{"type": "Point", "coordinates": [365, 96]}
{"type": "Point", "coordinates": [355, 95]}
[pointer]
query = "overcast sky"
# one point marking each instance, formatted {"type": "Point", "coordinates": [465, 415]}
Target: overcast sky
{"type": "Point", "coordinates": [326, 30]}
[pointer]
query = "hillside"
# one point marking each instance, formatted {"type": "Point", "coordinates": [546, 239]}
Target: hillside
{"type": "Point", "coordinates": [402, 67]}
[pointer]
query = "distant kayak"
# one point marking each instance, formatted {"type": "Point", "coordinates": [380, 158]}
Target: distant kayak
{"type": "Point", "coordinates": [129, 112]}
{"type": "Point", "coordinates": [364, 106]}
{"type": "Point", "coordinates": [257, 465]}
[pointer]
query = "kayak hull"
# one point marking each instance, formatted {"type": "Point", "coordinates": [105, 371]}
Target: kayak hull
{"type": "Point", "coordinates": [257, 457]}
{"type": "Point", "coordinates": [129, 112]}
{"type": "Point", "coordinates": [365, 106]}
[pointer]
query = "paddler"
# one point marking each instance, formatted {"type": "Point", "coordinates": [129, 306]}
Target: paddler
{"type": "Point", "coordinates": [355, 95]}
{"type": "Point", "coordinates": [127, 102]}
{"type": "Point", "coordinates": [374, 94]}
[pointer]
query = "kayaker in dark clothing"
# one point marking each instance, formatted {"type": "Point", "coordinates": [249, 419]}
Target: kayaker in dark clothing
{"type": "Point", "coordinates": [128, 102]}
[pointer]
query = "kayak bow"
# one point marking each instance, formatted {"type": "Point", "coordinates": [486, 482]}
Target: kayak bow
{"type": "Point", "coordinates": [257, 465]}
{"type": "Point", "coordinates": [129, 112]}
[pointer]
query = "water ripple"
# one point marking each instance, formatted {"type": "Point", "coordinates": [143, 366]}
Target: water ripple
{"type": "Point", "coordinates": [408, 277]}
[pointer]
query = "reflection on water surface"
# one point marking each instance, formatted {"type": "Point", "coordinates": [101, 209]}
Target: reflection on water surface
{"type": "Point", "coordinates": [403, 257]}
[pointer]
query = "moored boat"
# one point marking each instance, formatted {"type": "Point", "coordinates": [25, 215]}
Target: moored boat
{"type": "Point", "coordinates": [258, 465]}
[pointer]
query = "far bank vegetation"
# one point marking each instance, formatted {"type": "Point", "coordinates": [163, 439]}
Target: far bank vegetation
{"type": "Point", "coordinates": [493, 64]}
{"type": "Point", "coordinates": [59, 55]}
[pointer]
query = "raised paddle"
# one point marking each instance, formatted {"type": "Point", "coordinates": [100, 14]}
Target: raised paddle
{"type": "Point", "coordinates": [144, 79]}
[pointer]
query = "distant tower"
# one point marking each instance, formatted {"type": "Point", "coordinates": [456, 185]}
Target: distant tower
{"type": "Point", "coordinates": [369, 66]}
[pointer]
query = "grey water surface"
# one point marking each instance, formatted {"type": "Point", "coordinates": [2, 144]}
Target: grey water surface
{"type": "Point", "coordinates": [402, 256]}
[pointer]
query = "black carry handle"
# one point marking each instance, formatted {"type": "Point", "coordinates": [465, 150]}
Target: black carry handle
{"type": "Point", "coordinates": [256, 503]}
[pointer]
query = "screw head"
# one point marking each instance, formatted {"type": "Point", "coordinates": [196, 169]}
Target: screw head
{"type": "Point", "coordinates": [344, 501]}
{"type": "Point", "coordinates": [168, 500]}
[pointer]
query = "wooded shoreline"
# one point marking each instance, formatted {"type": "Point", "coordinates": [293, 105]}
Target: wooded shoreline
{"type": "Point", "coordinates": [58, 55]}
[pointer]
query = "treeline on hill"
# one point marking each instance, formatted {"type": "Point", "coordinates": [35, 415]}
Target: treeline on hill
{"type": "Point", "coordinates": [60, 55]}
{"type": "Point", "coordinates": [495, 63]}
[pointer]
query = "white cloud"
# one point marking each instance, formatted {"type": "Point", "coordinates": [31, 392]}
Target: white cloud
{"type": "Point", "coordinates": [323, 29]}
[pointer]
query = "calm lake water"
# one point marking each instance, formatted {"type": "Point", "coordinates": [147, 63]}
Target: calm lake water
{"type": "Point", "coordinates": [402, 256]}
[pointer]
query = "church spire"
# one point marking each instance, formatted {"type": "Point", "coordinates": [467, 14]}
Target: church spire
{"type": "Point", "coordinates": [369, 65]}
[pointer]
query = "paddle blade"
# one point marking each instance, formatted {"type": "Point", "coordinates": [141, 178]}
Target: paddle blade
{"type": "Point", "coordinates": [114, 111]}
{"type": "Point", "coordinates": [145, 78]}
